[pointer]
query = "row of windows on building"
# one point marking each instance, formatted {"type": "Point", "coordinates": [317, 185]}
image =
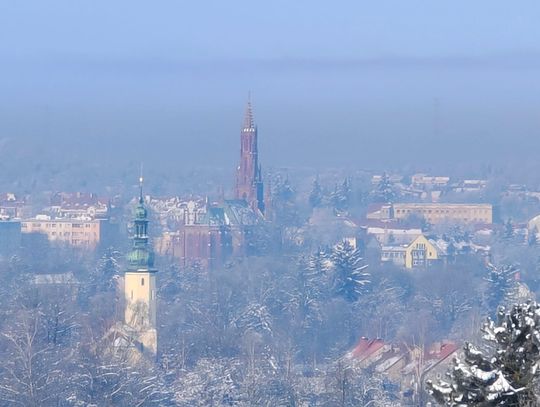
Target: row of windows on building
{"type": "Point", "coordinates": [59, 225]}
{"type": "Point", "coordinates": [86, 234]}
{"type": "Point", "coordinates": [393, 255]}
{"type": "Point", "coordinates": [445, 211]}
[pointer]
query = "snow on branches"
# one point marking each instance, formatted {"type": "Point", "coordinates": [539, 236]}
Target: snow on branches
{"type": "Point", "coordinates": [349, 274]}
{"type": "Point", "coordinates": [503, 373]}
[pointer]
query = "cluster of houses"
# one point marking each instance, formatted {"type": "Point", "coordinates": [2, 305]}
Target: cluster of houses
{"type": "Point", "coordinates": [412, 248]}
{"type": "Point", "coordinates": [194, 230]}
{"type": "Point", "coordinates": [72, 219]}
{"type": "Point", "coordinates": [429, 187]}
{"type": "Point", "coordinates": [191, 230]}
{"type": "Point", "coordinates": [397, 232]}
{"type": "Point", "coordinates": [406, 367]}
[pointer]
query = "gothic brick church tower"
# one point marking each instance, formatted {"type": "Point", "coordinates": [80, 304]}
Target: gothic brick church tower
{"type": "Point", "coordinates": [249, 183]}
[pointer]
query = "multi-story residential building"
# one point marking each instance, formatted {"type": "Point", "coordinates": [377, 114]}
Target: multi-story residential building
{"type": "Point", "coordinates": [436, 213]}
{"type": "Point", "coordinates": [84, 233]}
{"type": "Point", "coordinates": [419, 253]}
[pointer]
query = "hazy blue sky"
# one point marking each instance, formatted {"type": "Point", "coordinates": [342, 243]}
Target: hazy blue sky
{"type": "Point", "coordinates": [333, 82]}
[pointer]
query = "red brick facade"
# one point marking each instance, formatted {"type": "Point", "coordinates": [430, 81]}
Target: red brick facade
{"type": "Point", "coordinates": [249, 185]}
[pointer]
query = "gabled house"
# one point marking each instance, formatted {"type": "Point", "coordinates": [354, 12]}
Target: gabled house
{"type": "Point", "coordinates": [421, 252]}
{"type": "Point", "coordinates": [406, 367]}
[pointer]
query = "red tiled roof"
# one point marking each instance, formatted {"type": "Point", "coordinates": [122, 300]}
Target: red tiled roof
{"type": "Point", "coordinates": [443, 352]}
{"type": "Point", "coordinates": [365, 348]}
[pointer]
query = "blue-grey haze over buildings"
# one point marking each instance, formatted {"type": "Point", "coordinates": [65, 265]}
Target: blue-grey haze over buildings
{"type": "Point", "coordinates": [352, 83]}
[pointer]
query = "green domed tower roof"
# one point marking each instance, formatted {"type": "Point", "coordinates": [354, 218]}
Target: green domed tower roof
{"type": "Point", "coordinates": [141, 256]}
{"type": "Point", "coordinates": [140, 210]}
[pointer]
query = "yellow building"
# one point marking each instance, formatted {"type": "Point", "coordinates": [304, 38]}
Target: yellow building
{"type": "Point", "coordinates": [419, 253]}
{"type": "Point", "coordinates": [436, 213]}
{"type": "Point", "coordinates": [140, 315]}
{"type": "Point", "coordinates": [74, 232]}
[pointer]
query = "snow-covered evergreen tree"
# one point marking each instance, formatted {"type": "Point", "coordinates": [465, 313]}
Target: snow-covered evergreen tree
{"type": "Point", "coordinates": [283, 190]}
{"type": "Point", "coordinates": [341, 196]}
{"type": "Point", "coordinates": [255, 319]}
{"type": "Point", "coordinates": [385, 189]}
{"type": "Point", "coordinates": [316, 196]}
{"type": "Point", "coordinates": [284, 203]}
{"type": "Point", "coordinates": [305, 298]}
{"type": "Point", "coordinates": [211, 382]}
{"type": "Point", "coordinates": [107, 271]}
{"type": "Point", "coordinates": [502, 285]}
{"type": "Point", "coordinates": [508, 232]}
{"type": "Point", "coordinates": [349, 275]}
{"type": "Point", "coordinates": [319, 263]}
{"type": "Point", "coordinates": [503, 373]}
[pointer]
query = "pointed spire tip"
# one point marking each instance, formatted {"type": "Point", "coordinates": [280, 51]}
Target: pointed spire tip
{"type": "Point", "coordinates": [141, 180]}
{"type": "Point", "coordinates": [248, 117]}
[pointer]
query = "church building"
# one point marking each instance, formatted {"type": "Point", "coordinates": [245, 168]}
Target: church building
{"type": "Point", "coordinates": [140, 286]}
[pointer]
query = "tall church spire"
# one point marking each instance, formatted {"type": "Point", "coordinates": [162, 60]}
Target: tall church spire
{"type": "Point", "coordinates": [140, 283]}
{"type": "Point", "coordinates": [249, 185]}
{"type": "Point", "coordinates": [248, 116]}
{"type": "Point", "coordinates": [141, 256]}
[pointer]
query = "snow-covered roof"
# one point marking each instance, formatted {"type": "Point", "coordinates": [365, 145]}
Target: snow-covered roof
{"type": "Point", "coordinates": [393, 231]}
{"type": "Point", "coordinates": [60, 278]}
{"type": "Point", "coordinates": [394, 248]}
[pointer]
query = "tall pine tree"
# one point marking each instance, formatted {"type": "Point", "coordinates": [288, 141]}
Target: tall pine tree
{"type": "Point", "coordinates": [385, 189]}
{"type": "Point", "coordinates": [502, 285]}
{"type": "Point", "coordinates": [316, 195]}
{"type": "Point", "coordinates": [503, 373]}
{"type": "Point", "coordinates": [349, 277]}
